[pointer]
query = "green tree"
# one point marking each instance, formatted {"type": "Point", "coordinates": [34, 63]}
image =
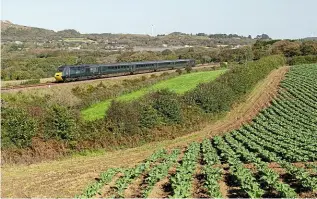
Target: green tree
{"type": "Point", "coordinates": [60, 123]}
{"type": "Point", "coordinates": [309, 48]}
{"type": "Point", "coordinates": [287, 48]}
{"type": "Point", "coordinates": [18, 127]}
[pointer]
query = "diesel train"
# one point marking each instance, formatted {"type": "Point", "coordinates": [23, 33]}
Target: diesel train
{"type": "Point", "coordinates": [92, 71]}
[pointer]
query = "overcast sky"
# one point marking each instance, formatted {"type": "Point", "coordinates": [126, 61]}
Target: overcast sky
{"type": "Point", "coordinates": [277, 18]}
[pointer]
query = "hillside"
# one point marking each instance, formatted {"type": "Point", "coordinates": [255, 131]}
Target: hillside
{"type": "Point", "coordinates": [12, 32]}
{"type": "Point", "coordinates": [273, 156]}
{"type": "Point", "coordinates": [52, 177]}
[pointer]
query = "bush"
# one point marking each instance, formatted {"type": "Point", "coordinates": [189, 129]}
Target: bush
{"type": "Point", "coordinates": [60, 123]}
{"type": "Point", "coordinates": [154, 109]}
{"type": "Point", "coordinates": [31, 81]}
{"type": "Point", "coordinates": [188, 69]}
{"type": "Point", "coordinates": [223, 64]}
{"type": "Point", "coordinates": [153, 76]}
{"type": "Point", "coordinates": [149, 116]}
{"type": "Point", "coordinates": [168, 106]}
{"type": "Point", "coordinates": [308, 59]}
{"type": "Point", "coordinates": [179, 71]}
{"type": "Point", "coordinates": [219, 95]}
{"type": "Point", "coordinates": [164, 74]}
{"type": "Point", "coordinates": [123, 117]}
{"type": "Point", "coordinates": [17, 127]}
{"type": "Point", "coordinates": [143, 78]}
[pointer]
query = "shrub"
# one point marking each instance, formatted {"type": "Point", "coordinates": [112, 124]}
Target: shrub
{"type": "Point", "coordinates": [164, 74]}
{"type": "Point", "coordinates": [60, 123]}
{"type": "Point", "coordinates": [219, 95]}
{"type": "Point", "coordinates": [31, 81]}
{"type": "Point", "coordinates": [123, 117]}
{"type": "Point", "coordinates": [149, 116]}
{"type": "Point", "coordinates": [168, 106]}
{"type": "Point", "coordinates": [223, 64]}
{"type": "Point", "coordinates": [188, 69]}
{"type": "Point", "coordinates": [179, 71]}
{"type": "Point", "coordinates": [308, 59]}
{"type": "Point", "coordinates": [17, 127]}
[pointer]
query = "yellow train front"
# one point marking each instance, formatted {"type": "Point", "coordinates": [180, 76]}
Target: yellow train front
{"type": "Point", "coordinates": [59, 75]}
{"type": "Point", "coordinates": [90, 71]}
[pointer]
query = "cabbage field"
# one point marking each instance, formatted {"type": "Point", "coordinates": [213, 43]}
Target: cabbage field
{"type": "Point", "coordinates": [273, 156]}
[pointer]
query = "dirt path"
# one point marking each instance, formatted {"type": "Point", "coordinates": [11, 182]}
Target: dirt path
{"type": "Point", "coordinates": [68, 177]}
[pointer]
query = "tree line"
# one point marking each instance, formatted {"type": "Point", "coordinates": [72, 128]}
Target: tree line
{"type": "Point", "coordinates": [45, 64]}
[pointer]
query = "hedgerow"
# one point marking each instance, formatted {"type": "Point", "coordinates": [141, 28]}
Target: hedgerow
{"type": "Point", "coordinates": [219, 95]}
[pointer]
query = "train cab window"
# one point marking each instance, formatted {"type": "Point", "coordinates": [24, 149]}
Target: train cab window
{"type": "Point", "coordinates": [61, 69]}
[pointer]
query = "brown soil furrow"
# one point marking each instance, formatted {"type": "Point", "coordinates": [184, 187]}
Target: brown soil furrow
{"type": "Point", "coordinates": [223, 188]}
{"type": "Point", "coordinates": [198, 190]}
{"type": "Point", "coordinates": [134, 190]}
{"type": "Point", "coordinates": [163, 188]}
{"type": "Point", "coordinates": [109, 189]}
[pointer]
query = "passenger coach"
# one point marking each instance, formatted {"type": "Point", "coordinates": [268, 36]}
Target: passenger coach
{"type": "Point", "coordinates": [91, 71]}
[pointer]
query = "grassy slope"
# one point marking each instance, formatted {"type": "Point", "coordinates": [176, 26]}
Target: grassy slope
{"type": "Point", "coordinates": [179, 84]}
{"type": "Point", "coordinates": [68, 177]}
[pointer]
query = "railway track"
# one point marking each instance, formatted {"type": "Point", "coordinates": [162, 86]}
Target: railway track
{"type": "Point", "coordinates": [49, 84]}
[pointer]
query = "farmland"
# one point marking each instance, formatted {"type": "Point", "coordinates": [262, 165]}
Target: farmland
{"type": "Point", "coordinates": [179, 85]}
{"type": "Point", "coordinates": [273, 156]}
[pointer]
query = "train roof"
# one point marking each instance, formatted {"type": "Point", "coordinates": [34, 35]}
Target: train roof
{"type": "Point", "coordinates": [129, 63]}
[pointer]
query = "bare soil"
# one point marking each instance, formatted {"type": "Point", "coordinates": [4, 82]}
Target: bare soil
{"type": "Point", "coordinates": [68, 177]}
{"type": "Point", "coordinates": [109, 189]}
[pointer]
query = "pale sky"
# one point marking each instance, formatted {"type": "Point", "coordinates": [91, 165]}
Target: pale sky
{"type": "Point", "coordinates": [277, 18]}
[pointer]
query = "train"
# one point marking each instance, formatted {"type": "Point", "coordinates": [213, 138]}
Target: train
{"type": "Point", "coordinates": [93, 71]}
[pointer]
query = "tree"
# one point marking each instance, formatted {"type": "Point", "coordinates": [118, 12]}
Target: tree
{"type": "Point", "coordinates": [287, 48]}
{"type": "Point", "coordinates": [167, 52]}
{"type": "Point", "coordinates": [201, 34]}
{"type": "Point", "coordinates": [309, 48]}
{"type": "Point", "coordinates": [206, 59]}
{"type": "Point", "coordinates": [263, 36]}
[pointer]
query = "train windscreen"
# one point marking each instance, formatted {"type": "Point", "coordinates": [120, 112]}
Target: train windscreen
{"type": "Point", "coordinates": [61, 68]}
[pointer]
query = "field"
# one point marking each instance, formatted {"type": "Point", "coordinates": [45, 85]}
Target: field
{"type": "Point", "coordinates": [69, 176]}
{"type": "Point", "coordinates": [179, 84]}
{"type": "Point", "coordinates": [245, 162]}
{"type": "Point", "coordinates": [273, 156]}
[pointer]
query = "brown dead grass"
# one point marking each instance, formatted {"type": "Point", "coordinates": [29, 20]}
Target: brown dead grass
{"type": "Point", "coordinates": [68, 177]}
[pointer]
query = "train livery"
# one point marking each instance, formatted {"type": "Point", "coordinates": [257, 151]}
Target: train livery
{"type": "Point", "coordinates": [91, 71]}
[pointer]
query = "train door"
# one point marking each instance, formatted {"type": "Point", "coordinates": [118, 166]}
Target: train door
{"type": "Point", "coordinates": [87, 72]}
{"type": "Point", "coordinates": [132, 68]}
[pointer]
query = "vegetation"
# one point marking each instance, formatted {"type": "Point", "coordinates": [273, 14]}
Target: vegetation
{"type": "Point", "coordinates": [32, 53]}
{"type": "Point", "coordinates": [179, 85]}
{"type": "Point", "coordinates": [282, 134]}
{"type": "Point", "coordinates": [135, 119]}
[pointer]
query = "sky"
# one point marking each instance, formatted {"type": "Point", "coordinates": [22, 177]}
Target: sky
{"type": "Point", "coordinates": [280, 19]}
